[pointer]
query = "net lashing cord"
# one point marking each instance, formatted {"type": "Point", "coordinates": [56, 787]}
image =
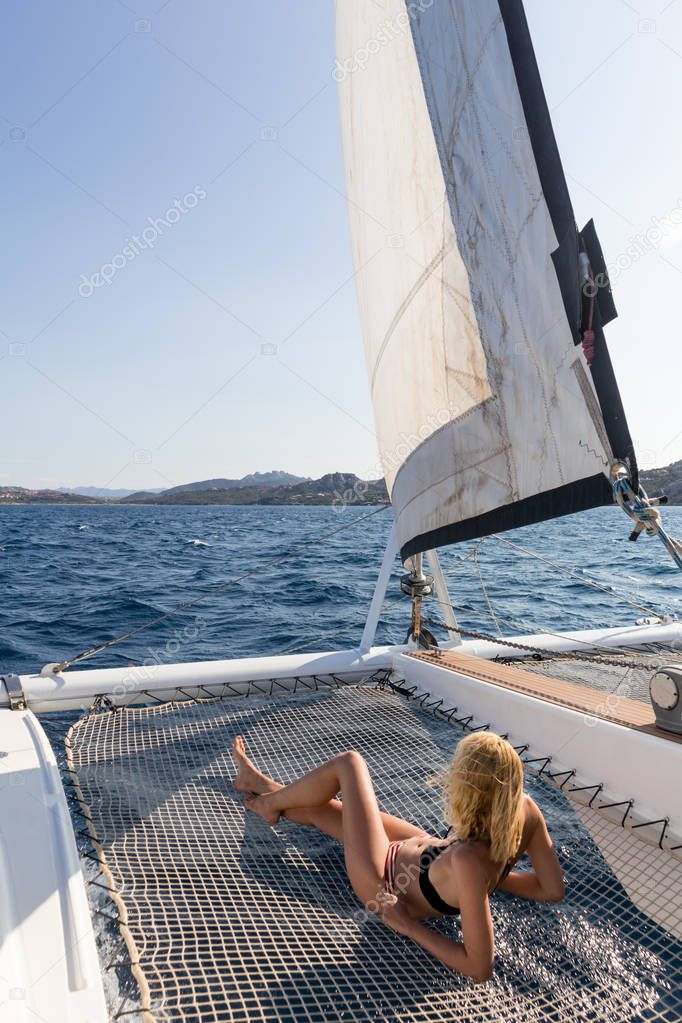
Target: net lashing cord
{"type": "Point", "coordinates": [261, 925]}
{"type": "Point", "coordinates": [436, 705]}
{"type": "Point", "coordinates": [272, 563]}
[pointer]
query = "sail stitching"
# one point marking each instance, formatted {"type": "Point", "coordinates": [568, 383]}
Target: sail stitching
{"type": "Point", "coordinates": [404, 306]}
{"type": "Point", "coordinates": [507, 250]}
{"type": "Point", "coordinates": [592, 407]}
{"type": "Point", "coordinates": [458, 472]}
{"type": "Point", "coordinates": [464, 303]}
{"type": "Point", "coordinates": [470, 74]}
{"type": "Point", "coordinates": [547, 399]}
{"type": "Point", "coordinates": [457, 421]}
{"type": "Point", "coordinates": [493, 363]}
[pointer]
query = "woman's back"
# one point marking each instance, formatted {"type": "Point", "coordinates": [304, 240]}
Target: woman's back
{"type": "Point", "coordinates": [427, 869]}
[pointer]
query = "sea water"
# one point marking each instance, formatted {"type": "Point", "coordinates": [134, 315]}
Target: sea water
{"type": "Point", "coordinates": [73, 577]}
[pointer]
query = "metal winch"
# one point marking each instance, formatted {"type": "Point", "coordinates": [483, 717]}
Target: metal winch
{"type": "Point", "coordinates": [665, 690]}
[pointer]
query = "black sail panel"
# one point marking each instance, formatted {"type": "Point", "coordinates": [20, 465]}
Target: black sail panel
{"type": "Point", "coordinates": [557, 197]}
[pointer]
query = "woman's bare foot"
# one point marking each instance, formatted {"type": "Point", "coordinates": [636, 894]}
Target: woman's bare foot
{"type": "Point", "coordinates": [249, 778]}
{"type": "Point", "coordinates": [262, 805]}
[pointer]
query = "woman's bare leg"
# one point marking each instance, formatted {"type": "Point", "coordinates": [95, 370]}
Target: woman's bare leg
{"type": "Point", "coordinates": [327, 818]}
{"type": "Point", "coordinates": [364, 839]}
{"type": "Point", "coordinates": [252, 781]}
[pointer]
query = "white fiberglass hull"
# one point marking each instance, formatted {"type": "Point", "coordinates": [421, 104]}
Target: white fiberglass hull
{"type": "Point", "coordinates": [75, 690]}
{"type": "Point", "coordinates": [48, 946]}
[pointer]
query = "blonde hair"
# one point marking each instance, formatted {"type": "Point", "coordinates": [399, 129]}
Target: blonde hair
{"type": "Point", "coordinates": [483, 793]}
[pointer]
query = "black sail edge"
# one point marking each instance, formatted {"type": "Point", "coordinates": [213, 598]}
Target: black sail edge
{"type": "Point", "coordinates": [557, 197]}
{"type": "Point", "coordinates": [547, 159]}
{"type": "Point", "coordinates": [593, 491]}
{"type": "Point", "coordinates": [603, 375]}
{"type": "Point", "coordinates": [568, 499]}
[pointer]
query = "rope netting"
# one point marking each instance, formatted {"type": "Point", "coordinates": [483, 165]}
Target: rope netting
{"type": "Point", "coordinates": [627, 675]}
{"type": "Point", "coordinates": [227, 919]}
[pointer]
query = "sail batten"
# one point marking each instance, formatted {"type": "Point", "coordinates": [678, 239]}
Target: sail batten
{"type": "Point", "coordinates": [488, 415]}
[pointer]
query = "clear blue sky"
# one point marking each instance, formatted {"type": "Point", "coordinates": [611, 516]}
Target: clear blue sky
{"type": "Point", "coordinates": [110, 111]}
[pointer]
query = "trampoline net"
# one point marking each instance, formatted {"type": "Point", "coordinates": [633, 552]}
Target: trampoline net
{"type": "Point", "coordinates": [231, 920]}
{"type": "Point", "coordinates": [625, 674]}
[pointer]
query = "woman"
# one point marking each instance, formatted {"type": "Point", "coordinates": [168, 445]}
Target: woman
{"type": "Point", "coordinates": [405, 875]}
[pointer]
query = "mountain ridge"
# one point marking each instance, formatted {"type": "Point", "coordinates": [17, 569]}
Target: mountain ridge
{"type": "Point", "coordinates": [278, 487]}
{"type": "Point", "coordinates": [274, 478]}
{"type": "Point", "coordinates": [274, 487]}
{"type": "Point", "coordinates": [339, 487]}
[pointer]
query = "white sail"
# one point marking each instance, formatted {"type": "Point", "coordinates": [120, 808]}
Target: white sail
{"type": "Point", "coordinates": [486, 412]}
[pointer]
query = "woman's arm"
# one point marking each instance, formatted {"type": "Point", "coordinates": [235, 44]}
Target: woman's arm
{"type": "Point", "coordinates": [474, 955]}
{"type": "Point", "coordinates": [545, 882]}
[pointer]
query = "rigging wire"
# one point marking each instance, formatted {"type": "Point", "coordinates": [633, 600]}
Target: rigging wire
{"type": "Point", "coordinates": [532, 628]}
{"type": "Point", "coordinates": [609, 652]}
{"type": "Point", "coordinates": [497, 618]}
{"type": "Point", "coordinates": [62, 665]}
{"type": "Point", "coordinates": [485, 590]}
{"type": "Point", "coordinates": [575, 574]}
{"type": "Point", "coordinates": [471, 556]}
{"type": "Point", "coordinates": [294, 648]}
{"type": "Point", "coordinates": [592, 648]}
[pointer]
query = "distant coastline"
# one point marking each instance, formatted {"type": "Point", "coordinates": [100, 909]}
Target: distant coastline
{"type": "Point", "coordinates": [275, 488]}
{"type": "Point", "coordinates": [279, 488]}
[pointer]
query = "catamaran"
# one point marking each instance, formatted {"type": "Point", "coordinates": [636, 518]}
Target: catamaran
{"type": "Point", "coordinates": [133, 884]}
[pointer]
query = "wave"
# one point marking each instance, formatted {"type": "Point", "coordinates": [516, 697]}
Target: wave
{"type": "Point", "coordinates": [9, 649]}
{"type": "Point", "coordinates": [63, 593]}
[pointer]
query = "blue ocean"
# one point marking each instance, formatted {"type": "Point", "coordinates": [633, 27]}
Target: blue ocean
{"type": "Point", "coordinates": [74, 577]}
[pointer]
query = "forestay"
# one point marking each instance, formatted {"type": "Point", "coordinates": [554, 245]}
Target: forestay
{"type": "Point", "coordinates": [488, 414]}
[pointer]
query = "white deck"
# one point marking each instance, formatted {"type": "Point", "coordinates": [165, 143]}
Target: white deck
{"type": "Point", "coordinates": [49, 968]}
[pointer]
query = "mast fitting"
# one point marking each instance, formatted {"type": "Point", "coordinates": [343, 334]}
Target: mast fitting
{"type": "Point", "coordinates": [417, 585]}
